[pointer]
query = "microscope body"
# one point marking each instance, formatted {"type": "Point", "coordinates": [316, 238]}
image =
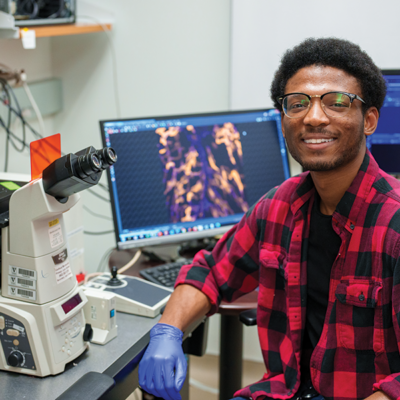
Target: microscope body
{"type": "Point", "coordinates": [42, 323]}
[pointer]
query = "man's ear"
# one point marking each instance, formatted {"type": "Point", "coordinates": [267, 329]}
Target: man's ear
{"type": "Point", "coordinates": [371, 118]}
{"type": "Point", "coordinates": [282, 128]}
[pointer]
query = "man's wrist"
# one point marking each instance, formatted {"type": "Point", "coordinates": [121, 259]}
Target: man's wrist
{"type": "Point", "coordinates": [166, 329]}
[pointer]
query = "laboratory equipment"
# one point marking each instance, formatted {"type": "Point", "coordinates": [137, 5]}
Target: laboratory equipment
{"type": "Point", "coordinates": [42, 324]}
{"type": "Point", "coordinates": [134, 295]}
{"type": "Point", "coordinates": [100, 312]}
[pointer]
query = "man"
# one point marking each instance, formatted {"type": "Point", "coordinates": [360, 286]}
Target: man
{"type": "Point", "coordinates": [322, 247]}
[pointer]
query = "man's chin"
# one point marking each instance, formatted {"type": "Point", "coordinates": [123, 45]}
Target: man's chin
{"type": "Point", "coordinates": [320, 165]}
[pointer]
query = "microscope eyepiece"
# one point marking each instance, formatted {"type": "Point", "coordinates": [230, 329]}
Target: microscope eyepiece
{"type": "Point", "coordinates": [89, 164]}
{"type": "Point", "coordinates": [73, 173]}
{"type": "Point", "coordinates": [108, 156]}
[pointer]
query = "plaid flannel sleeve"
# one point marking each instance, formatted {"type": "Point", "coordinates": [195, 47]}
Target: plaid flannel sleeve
{"type": "Point", "coordinates": [232, 268]}
{"type": "Point", "coordinates": [391, 383]}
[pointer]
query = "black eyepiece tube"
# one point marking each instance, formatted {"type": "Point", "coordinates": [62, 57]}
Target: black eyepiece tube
{"type": "Point", "coordinates": [108, 156]}
{"type": "Point", "coordinates": [73, 173]}
{"type": "Point", "coordinates": [89, 163]}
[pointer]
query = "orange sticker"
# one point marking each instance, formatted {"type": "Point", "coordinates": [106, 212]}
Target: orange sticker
{"type": "Point", "coordinates": [43, 153]}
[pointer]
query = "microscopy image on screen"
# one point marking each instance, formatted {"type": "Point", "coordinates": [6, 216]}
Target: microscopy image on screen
{"type": "Point", "coordinates": [202, 171]}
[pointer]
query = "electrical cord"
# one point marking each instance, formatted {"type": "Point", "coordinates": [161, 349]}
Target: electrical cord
{"type": "Point", "coordinates": [95, 214]}
{"type": "Point", "coordinates": [35, 107]}
{"type": "Point", "coordinates": [98, 233]}
{"type": "Point", "coordinates": [131, 262]}
{"type": "Point", "coordinates": [98, 195]}
{"type": "Point", "coordinates": [120, 271]}
{"type": "Point", "coordinates": [7, 73]}
{"type": "Point", "coordinates": [102, 264]}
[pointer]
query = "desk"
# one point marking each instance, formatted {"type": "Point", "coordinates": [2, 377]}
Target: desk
{"type": "Point", "coordinates": [123, 351]}
{"type": "Point", "coordinates": [231, 340]}
{"type": "Point", "coordinates": [117, 359]}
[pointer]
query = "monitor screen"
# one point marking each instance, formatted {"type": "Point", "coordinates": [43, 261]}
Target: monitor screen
{"type": "Point", "coordinates": [384, 144]}
{"type": "Point", "coordinates": [180, 178]}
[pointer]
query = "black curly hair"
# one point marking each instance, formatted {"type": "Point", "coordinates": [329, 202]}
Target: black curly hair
{"type": "Point", "coordinates": [337, 53]}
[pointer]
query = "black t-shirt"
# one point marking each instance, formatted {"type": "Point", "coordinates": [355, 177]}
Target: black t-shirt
{"type": "Point", "coordinates": [323, 248]}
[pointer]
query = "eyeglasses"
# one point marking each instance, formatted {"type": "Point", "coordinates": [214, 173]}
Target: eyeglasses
{"type": "Point", "coordinates": [334, 104]}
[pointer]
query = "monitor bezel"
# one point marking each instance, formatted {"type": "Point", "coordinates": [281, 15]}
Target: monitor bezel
{"type": "Point", "coordinates": [182, 237]}
{"type": "Point", "coordinates": [390, 71]}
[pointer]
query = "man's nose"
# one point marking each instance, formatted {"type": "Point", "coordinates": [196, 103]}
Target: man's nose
{"type": "Point", "coordinates": [316, 115]}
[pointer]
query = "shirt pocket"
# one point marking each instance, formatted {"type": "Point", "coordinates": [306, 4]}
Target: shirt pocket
{"type": "Point", "coordinates": [359, 315]}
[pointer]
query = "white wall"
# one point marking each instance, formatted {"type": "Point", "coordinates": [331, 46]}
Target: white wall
{"type": "Point", "coordinates": [263, 30]}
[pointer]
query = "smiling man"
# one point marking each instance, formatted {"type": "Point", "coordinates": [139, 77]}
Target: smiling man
{"type": "Point", "coordinates": [323, 248]}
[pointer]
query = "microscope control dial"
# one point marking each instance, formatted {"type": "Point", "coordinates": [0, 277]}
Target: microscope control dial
{"type": "Point", "coordinates": [15, 359]}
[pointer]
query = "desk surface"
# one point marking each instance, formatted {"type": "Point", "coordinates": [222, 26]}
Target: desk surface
{"type": "Point", "coordinates": [132, 338]}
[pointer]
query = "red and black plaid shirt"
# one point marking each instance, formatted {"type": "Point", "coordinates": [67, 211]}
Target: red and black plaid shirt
{"type": "Point", "coordinates": [358, 350]}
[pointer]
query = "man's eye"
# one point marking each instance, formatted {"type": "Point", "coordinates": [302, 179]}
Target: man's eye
{"type": "Point", "coordinates": [297, 106]}
{"type": "Point", "coordinates": [337, 105]}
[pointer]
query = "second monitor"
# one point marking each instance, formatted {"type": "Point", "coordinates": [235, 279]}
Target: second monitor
{"type": "Point", "coordinates": [187, 177]}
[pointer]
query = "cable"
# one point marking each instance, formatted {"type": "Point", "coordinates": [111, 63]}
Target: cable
{"type": "Point", "coordinates": [104, 258]}
{"type": "Point", "coordinates": [98, 233]}
{"type": "Point", "coordinates": [131, 262]}
{"type": "Point", "coordinates": [95, 214]}
{"type": "Point", "coordinates": [104, 187]}
{"type": "Point", "coordinates": [98, 195]}
{"type": "Point", "coordinates": [34, 106]}
{"type": "Point", "coordinates": [114, 61]}
{"type": "Point", "coordinates": [201, 386]}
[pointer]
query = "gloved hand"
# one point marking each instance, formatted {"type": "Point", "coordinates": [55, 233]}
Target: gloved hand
{"type": "Point", "coordinates": [162, 369]}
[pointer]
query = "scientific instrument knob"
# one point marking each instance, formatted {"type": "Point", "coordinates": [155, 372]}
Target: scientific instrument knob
{"type": "Point", "coordinates": [114, 281]}
{"type": "Point", "coordinates": [15, 359]}
{"type": "Point", "coordinates": [88, 333]}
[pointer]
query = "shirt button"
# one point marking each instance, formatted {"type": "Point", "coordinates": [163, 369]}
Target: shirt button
{"type": "Point", "coordinates": [361, 297]}
{"type": "Point", "coordinates": [351, 226]}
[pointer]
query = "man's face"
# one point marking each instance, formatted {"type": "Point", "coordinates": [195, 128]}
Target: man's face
{"type": "Point", "coordinates": [344, 138]}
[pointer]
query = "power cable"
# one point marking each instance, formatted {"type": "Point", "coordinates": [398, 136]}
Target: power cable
{"type": "Point", "coordinates": [95, 214]}
{"type": "Point", "coordinates": [98, 195]}
{"type": "Point", "coordinates": [34, 106]}
{"type": "Point", "coordinates": [98, 233]}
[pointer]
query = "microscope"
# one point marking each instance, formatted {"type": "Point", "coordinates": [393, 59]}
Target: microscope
{"type": "Point", "coordinates": [42, 323]}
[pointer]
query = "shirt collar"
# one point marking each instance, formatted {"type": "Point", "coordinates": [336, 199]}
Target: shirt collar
{"type": "Point", "coordinates": [349, 206]}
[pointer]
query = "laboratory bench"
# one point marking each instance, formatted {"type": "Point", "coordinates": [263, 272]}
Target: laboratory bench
{"type": "Point", "coordinates": [100, 373]}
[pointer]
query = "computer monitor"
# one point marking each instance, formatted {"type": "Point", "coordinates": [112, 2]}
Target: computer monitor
{"type": "Point", "coordinates": [384, 144]}
{"type": "Point", "coordinates": [187, 177]}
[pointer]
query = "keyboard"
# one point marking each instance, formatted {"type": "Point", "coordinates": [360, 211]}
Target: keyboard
{"type": "Point", "coordinates": [165, 274]}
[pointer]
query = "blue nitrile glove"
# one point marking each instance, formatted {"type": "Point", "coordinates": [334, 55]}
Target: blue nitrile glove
{"type": "Point", "coordinates": [162, 369]}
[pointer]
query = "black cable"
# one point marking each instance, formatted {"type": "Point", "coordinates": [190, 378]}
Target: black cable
{"type": "Point", "coordinates": [104, 187]}
{"type": "Point", "coordinates": [98, 233]}
{"type": "Point", "coordinates": [95, 214]}
{"type": "Point", "coordinates": [98, 195]}
{"type": "Point", "coordinates": [18, 112]}
{"type": "Point", "coordinates": [7, 134]}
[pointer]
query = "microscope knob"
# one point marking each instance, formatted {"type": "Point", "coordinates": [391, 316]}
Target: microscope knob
{"type": "Point", "coordinates": [15, 359]}
{"type": "Point", "coordinates": [88, 333]}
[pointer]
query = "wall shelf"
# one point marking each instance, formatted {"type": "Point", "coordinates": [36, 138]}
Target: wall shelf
{"type": "Point", "coordinates": [68, 29]}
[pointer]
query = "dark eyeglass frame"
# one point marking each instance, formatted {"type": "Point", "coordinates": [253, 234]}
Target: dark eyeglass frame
{"type": "Point", "coordinates": [352, 97]}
